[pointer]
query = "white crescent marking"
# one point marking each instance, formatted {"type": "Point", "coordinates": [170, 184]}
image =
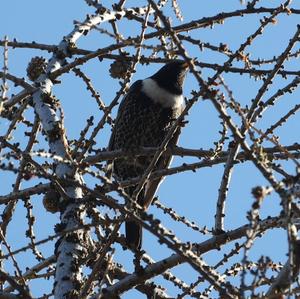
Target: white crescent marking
{"type": "Point", "coordinates": [160, 95]}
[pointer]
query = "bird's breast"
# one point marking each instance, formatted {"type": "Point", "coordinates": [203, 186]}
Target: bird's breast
{"type": "Point", "coordinates": [161, 96]}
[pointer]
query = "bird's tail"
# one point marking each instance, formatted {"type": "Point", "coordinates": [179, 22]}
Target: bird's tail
{"type": "Point", "coordinates": [133, 234]}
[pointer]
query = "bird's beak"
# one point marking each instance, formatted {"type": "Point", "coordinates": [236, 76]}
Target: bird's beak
{"type": "Point", "coordinates": [185, 65]}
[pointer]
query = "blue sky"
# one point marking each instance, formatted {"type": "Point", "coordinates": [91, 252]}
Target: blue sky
{"type": "Point", "coordinates": [191, 194]}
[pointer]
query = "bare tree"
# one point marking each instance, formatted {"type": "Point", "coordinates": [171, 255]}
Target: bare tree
{"type": "Point", "coordinates": [86, 255]}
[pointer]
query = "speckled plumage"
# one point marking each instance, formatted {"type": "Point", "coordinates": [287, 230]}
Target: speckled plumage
{"type": "Point", "coordinates": [141, 122]}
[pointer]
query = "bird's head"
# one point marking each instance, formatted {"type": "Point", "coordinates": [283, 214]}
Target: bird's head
{"type": "Point", "coordinates": [171, 76]}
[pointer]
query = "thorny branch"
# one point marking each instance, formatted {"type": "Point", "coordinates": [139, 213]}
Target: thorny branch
{"type": "Point", "coordinates": [69, 175]}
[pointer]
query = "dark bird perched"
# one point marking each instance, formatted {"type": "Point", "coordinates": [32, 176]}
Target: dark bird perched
{"type": "Point", "coordinates": [145, 116]}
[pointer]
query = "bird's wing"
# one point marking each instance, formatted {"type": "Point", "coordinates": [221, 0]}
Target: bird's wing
{"type": "Point", "coordinates": [163, 163]}
{"type": "Point", "coordinates": [111, 145]}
